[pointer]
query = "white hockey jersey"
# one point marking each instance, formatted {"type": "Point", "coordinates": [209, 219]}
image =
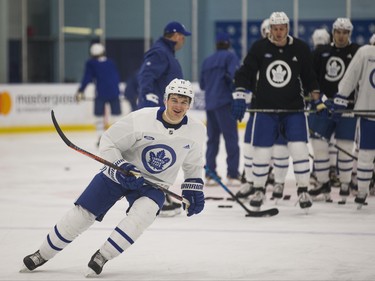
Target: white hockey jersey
{"type": "Point", "coordinates": [158, 152]}
{"type": "Point", "coordinates": [361, 75]}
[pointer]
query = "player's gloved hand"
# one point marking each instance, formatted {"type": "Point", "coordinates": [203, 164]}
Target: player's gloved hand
{"type": "Point", "coordinates": [79, 96]}
{"type": "Point", "coordinates": [339, 103]}
{"type": "Point", "coordinates": [322, 105]}
{"type": "Point", "coordinates": [132, 181]}
{"type": "Point", "coordinates": [151, 100]}
{"type": "Point", "coordinates": [192, 190]}
{"type": "Point", "coordinates": [241, 100]}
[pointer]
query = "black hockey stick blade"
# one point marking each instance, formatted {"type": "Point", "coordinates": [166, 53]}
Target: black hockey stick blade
{"type": "Point", "coordinates": [109, 164]}
{"type": "Point", "coordinates": [257, 214]}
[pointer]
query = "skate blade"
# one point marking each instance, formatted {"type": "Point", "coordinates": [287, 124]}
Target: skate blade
{"type": "Point", "coordinates": [90, 273]}
{"type": "Point", "coordinates": [24, 269]}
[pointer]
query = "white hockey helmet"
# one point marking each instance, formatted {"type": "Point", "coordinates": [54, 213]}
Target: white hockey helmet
{"type": "Point", "coordinates": [265, 28]}
{"type": "Point", "coordinates": [180, 87]}
{"type": "Point", "coordinates": [320, 36]}
{"type": "Point", "coordinates": [372, 39]}
{"type": "Point", "coordinates": [342, 23]}
{"type": "Point", "coordinates": [279, 18]}
{"type": "Point", "coordinates": [97, 49]}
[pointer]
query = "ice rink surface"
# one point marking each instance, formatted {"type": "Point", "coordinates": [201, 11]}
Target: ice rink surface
{"type": "Point", "coordinates": [40, 177]}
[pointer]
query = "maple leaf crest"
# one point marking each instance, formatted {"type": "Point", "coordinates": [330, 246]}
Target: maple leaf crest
{"type": "Point", "coordinates": [158, 160]}
{"type": "Point", "coordinates": [278, 74]}
{"type": "Point", "coordinates": [333, 69]}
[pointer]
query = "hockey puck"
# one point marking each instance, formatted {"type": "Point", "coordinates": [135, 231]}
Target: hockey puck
{"type": "Point", "coordinates": [225, 206]}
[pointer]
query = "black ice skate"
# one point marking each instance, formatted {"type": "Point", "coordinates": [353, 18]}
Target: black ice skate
{"type": "Point", "coordinates": [246, 190]}
{"type": "Point", "coordinates": [278, 190]}
{"type": "Point", "coordinates": [344, 193]}
{"type": "Point", "coordinates": [257, 200]}
{"type": "Point", "coordinates": [32, 261]}
{"type": "Point", "coordinates": [95, 265]}
{"type": "Point", "coordinates": [304, 198]}
{"type": "Point", "coordinates": [360, 199]}
{"type": "Point", "coordinates": [324, 189]}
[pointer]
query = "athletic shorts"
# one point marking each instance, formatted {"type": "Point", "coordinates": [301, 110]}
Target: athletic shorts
{"type": "Point", "coordinates": [102, 193]}
{"type": "Point", "coordinates": [268, 127]}
{"type": "Point", "coordinates": [99, 106]}
{"type": "Point", "coordinates": [366, 134]}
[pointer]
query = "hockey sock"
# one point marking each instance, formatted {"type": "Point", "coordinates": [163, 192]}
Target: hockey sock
{"type": "Point", "coordinates": [280, 155]}
{"type": "Point", "coordinates": [345, 162]}
{"type": "Point", "coordinates": [321, 160]}
{"type": "Point", "coordinates": [261, 160]}
{"type": "Point", "coordinates": [365, 169]}
{"type": "Point", "coordinates": [140, 216]}
{"type": "Point", "coordinates": [73, 223]}
{"type": "Point", "coordinates": [300, 155]}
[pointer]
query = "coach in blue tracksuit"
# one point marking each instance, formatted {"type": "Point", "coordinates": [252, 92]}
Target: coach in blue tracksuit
{"type": "Point", "coordinates": [160, 66]}
{"type": "Point", "coordinates": [216, 79]}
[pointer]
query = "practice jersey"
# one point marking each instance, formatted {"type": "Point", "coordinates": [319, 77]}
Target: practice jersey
{"type": "Point", "coordinates": [158, 152]}
{"type": "Point", "coordinates": [360, 75]}
{"type": "Point", "coordinates": [160, 66]}
{"type": "Point", "coordinates": [330, 64]}
{"type": "Point", "coordinates": [216, 78]}
{"type": "Point", "coordinates": [283, 72]}
{"type": "Point", "coordinates": [103, 73]}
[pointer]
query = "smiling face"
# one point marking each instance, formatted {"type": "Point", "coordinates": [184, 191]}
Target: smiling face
{"type": "Point", "coordinates": [176, 108]}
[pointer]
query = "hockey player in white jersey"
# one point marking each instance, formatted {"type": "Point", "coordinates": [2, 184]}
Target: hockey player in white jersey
{"type": "Point", "coordinates": [360, 75]}
{"type": "Point", "coordinates": [152, 144]}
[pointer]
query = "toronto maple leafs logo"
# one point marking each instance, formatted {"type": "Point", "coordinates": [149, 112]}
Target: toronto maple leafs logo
{"type": "Point", "coordinates": [278, 73]}
{"type": "Point", "coordinates": [158, 158]}
{"type": "Point", "coordinates": [335, 69]}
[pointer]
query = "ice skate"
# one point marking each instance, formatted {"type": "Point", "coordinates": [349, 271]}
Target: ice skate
{"type": "Point", "coordinates": [32, 261]}
{"type": "Point", "coordinates": [246, 190]}
{"type": "Point", "coordinates": [333, 179]}
{"type": "Point", "coordinates": [210, 181]}
{"type": "Point", "coordinates": [360, 199]}
{"type": "Point", "coordinates": [234, 181]}
{"type": "Point", "coordinates": [344, 193]}
{"type": "Point", "coordinates": [170, 208]}
{"type": "Point", "coordinates": [278, 191]}
{"type": "Point", "coordinates": [270, 178]}
{"type": "Point", "coordinates": [322, 188]}
{"type": "Point", "coordinates": [95, 265]}
{"type": "Point", "coordinates": [258, 198]}
{"type": "Point", "coordinates": [313, 181]}
{"type": "Point", "coordinates": [304, 199]}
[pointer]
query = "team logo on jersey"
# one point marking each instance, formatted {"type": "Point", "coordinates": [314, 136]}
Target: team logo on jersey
{"type": "Point", "coordinates": [278, 73]}
{"type": "Point", "coordinates": [372, 78]}
{"type": "Point", "coordinates": [335, 69]}
{"type": "Point", "coordinates": [157, 158]}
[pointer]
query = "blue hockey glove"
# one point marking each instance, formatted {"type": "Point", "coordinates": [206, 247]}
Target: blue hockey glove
{"type": "Point", "coordinates": [322, 105]}
{"type": "Point", "coordinates": [339, 103]}
{"type": "Point", "coordinates": [192, 190]}
{"type": "Point", "coordinates": [131, 182]}
{"type": "Point", "coordinates": [241, 100]}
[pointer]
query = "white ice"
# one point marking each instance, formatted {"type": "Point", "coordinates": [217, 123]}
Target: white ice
{"type": "Point", "coordinates": [40, 177]}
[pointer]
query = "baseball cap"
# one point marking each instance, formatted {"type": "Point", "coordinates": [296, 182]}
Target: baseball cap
{"type": "Point", "coordinates": [175, 26]}
{"type": "Point", "coordinates": [222, 37]}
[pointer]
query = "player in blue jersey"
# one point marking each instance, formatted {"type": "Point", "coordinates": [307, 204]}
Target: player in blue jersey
{"type": "Point", "coordinates": [103, 72]}
{"type": "Point", "coordinates": [152, 144]}
{"type": "Point", "coordinates": [216, 79]}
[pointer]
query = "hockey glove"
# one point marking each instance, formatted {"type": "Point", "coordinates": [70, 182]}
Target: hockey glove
{"type": "Point", "coordinates": [241, 100]}
{"type": "Point", "coordinates": [132, 181]}
{"type": "Point", "coordinates": [339, 103]}
{"type": "Point", "coordinates": [79, 96]}
{"type": "Point", "coordinates": [322, 105]}
{"type": "Point", "coordinates": [192, 190]}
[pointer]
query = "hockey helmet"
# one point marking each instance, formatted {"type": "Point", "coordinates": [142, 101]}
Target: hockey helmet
{"type": "Point", "coordinates": [96, 50]}
{"type": "Point", "coordinates": [344, 24]}
{"type": "Point", "coordinates": [320, 36]}
{"type": "Point", "coordinates": [180, 87]}
{"type": "Point", "coordinates": [372, 39]}
{"type": "Point", "coordinates": [265, 28]}
{"type": "Point", "coordinates": [279, 18]}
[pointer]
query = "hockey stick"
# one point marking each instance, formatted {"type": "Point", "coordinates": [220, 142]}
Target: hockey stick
{"type": "Point", "coordinates": [264, 213]}
{"type": "Point", "coordinates": [109, 164]}
{"type": "Point", "coordinates": [307, 110]}
{"type": "Point", "coordinates": [319, 136]}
